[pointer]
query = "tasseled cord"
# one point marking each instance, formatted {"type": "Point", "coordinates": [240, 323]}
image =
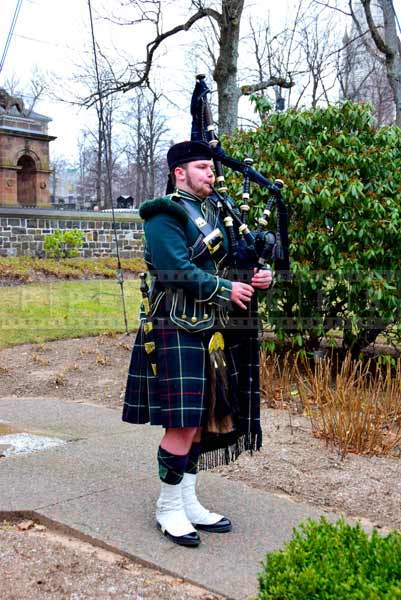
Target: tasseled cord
{"type": "Point", "coordinates": [248, 442]}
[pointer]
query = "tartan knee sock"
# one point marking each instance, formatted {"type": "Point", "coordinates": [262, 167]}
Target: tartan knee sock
{"type": "Point", "coordinates": [193, 458]}
{"type": "Point", "coordinates": [171, 466]}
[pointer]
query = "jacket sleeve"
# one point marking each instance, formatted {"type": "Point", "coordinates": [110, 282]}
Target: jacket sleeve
{"type": "Point", "coordinates": [168, 247]}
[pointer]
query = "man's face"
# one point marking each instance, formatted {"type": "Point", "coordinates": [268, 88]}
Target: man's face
{"type": "Point", "coordinates": [196, 177]}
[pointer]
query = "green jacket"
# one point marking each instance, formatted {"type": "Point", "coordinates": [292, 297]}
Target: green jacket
{"type": "Point", "coordinates": [188, 287]}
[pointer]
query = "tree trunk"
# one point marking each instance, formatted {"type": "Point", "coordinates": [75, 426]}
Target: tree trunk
{"type": "Point", "coordinates": [389, 46]}
{"type": "Point", "coordinates": [393, 58]}
{"type": "Point", "coordinates": [225, 73]}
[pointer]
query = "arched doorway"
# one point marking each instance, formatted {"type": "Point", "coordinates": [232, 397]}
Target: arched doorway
{"type": "Point", "coordinates": [26, 181]}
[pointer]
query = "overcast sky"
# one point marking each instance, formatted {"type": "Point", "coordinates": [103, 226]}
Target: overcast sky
{"type": "Point", "coordinates": [52, 35]}
{"type": "Point", "coordinates": [45, 36]}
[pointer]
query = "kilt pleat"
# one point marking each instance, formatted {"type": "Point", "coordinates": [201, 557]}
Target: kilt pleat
{"type": "Point", "coordinates": [138, 393]}
{"type": "Point", "coordinates": [242, 350]}
{"type": "Point", "coordinates": [177, 396]}
{"type": "Point", "coordinates": [182, 377]}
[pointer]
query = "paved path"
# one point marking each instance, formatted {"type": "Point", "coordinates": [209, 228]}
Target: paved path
{"type": "Point", "coordinates": [102, 485]}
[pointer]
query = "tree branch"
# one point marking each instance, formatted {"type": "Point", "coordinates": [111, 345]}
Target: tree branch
{"type": "Point", "coordinates": [247, 90]}
{"type": "Point", "coordinates": [327, 5]}
{"type": "Point", "coordinates": [151, 47]}
{"type": "Point", "coordinates": [378, 40]}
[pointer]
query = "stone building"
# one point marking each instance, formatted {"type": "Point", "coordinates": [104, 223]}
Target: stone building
{"type": "Point", "coordinates": [24, 159]}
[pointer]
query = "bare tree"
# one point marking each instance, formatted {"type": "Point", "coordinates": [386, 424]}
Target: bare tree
{"type": "Point", "coordinates": [276, 61]}
{"type": "Point", "coordinates": [389, 46]}
{"type": "Point", "coordinates": [146, 146]}
{"type": "Point", "coordinates": [100, 144]}
{"type": "Point", "coordinates": [100, 139]}
{"type": "Point", "coordinates": [87, 179]}
{"type": "Point", "coordinates": [32, 93]}
{"type": "Point", "coordinates": [316, 41]}
{"type": "Point", "coordinates": [304, 53]}
{"type": "Point", "coordinates": [375, 25]}
{"type": "Point", "coordinates": [362, 76]}
{"type": "Point", "coordinates": [224, 21]}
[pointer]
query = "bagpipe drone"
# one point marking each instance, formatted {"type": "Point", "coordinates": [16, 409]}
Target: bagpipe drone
{"type": "Point", "coordinates": [263, 244]}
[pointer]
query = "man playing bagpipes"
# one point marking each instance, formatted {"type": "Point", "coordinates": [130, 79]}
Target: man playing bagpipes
{"type": "Point", "coordinates": [192, 371]}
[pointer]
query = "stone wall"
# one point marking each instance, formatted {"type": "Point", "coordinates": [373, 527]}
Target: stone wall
{"type": "Point", "coordinates": [22, 231]}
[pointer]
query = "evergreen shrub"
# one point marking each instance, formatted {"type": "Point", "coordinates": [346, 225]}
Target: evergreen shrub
{"type": "Point", "coordinates": [338, 561]}
{"type": "Point", "coordinates": [342, 187]}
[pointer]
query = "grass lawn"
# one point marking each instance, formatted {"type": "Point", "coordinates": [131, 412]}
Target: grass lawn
{"type": "Point", "coordinates": [25, 269]}
{"type": "Point", "coordinates": [65, 309]}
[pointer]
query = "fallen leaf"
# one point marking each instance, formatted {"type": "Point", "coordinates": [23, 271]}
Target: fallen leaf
{"type": "Point", "coordinates": [25, 525]}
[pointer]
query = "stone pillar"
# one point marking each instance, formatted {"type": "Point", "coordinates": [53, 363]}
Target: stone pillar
{"type": "Point", "coordinates": [8, 186]}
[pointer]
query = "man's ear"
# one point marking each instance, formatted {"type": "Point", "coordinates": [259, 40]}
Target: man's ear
{"type": "Point", "coordinates": [179, 173]}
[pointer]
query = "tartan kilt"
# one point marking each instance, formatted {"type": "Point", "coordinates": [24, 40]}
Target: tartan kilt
{"type": "Point", "coordinates": [178, 395]}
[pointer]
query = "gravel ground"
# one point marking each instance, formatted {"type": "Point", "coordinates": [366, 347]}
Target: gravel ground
{"type": "Point", "coordinates": [39, 564]}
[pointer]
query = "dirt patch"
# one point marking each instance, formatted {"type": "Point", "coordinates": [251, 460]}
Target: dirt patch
{"type": "Point", "coordinates": [78, 370]}
{"type": "Point", "coordinates": [292, 462]}
{"type": "Point", "coordinates": [38, 563]}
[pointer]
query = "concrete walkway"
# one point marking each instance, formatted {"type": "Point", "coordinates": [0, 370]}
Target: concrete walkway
{"type": "Point", "coordinates": [101, 485]}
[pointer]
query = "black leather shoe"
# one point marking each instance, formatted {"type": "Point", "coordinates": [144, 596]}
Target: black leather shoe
{"type": "Point", "coordinates": [190, 539]}
{"type": "Point", "coordinates": [221, 526]}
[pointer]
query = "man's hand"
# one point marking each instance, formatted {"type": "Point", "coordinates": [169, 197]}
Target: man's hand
{"type": "Point", "coordinates": [240, 293]}
{"type": "Point", "coordinates": [262, 279]}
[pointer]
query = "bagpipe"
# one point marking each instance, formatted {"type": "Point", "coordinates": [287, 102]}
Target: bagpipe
{"type": "Point", "coordinates": [262, 244]}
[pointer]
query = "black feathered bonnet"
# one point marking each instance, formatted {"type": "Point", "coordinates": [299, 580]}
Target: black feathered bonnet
{"type": "Point", "coordinates": [184, 152]}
